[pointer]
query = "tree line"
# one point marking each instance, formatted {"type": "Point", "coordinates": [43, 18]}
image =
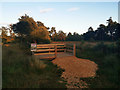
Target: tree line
{"type": "Point", "coordinates": [28, 30]}
{"type": "Point", "coordinates": [110, 32]}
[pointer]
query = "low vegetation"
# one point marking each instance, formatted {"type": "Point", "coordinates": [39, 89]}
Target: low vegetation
{"type": "Point", "coordinates": [20, 70]}
{"type": "Point", "coordinates": [107, 57]}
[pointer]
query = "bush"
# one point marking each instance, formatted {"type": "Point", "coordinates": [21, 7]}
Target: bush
{"type": "Point", "coordinates": [108, 63]}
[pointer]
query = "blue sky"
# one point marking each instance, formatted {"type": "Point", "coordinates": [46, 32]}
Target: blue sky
{"type": "Point", "coordinates": [66, 16]}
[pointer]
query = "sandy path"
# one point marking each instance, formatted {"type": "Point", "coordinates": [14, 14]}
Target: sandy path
{"type": "Point", "coordinates": [75, 68]}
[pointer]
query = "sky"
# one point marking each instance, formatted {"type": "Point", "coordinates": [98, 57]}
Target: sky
{"type": "Point", "coordinates": [66, 16]}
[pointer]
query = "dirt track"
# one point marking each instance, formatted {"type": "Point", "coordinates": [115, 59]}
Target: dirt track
{"type": "Point", "coordinates": [76, 68]}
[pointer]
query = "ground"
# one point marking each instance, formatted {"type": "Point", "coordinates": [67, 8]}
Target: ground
{"type": "Point", "coordinates": [76, 68]}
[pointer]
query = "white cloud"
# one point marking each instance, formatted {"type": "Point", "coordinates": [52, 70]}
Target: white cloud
{"type": "Point", "coordinates": [73, 9]}
{"type": "Point", "coordinates": [46, 10]}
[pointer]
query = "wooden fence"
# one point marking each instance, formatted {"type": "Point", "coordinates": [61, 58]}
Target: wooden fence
{"type": "Point", "coordinates": [53, 49]}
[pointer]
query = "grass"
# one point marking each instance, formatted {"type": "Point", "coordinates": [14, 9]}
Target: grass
{"type": "Point", "coordinates": [106, 56]}
{"type": "Point", "coordinates": [21, 70]}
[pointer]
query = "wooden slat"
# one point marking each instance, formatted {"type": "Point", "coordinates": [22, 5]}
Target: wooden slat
{"type": "Point", "coordinates": [44, 50]}
{"type": "Point", "coordinates": [48, 44]}
{"type": "Point", "coordinates": [60, 46]}
{"type": "Point", "coordinates": [43, 53]}
{"type": "Point", "coordinates": [69, 50]}
{"type": "Point", "coordinates": [60, 52]}
{"type": "Point", "coordinates": [60, 49]}
{"type": "Point", "coordinates": [46, 47]}
{"type": "Point", "coordinates": [69, 47]}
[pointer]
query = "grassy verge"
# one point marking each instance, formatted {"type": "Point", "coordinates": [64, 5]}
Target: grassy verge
{"type": "Point", "coordinates": [21, 70]}
{"type": "Point", "coordinates": [107, 58]}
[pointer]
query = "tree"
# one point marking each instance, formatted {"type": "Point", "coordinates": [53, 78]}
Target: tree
{"type": "Point", "coordinates": [109, 32]}
{"type": "Point", "coordinates": [25, 26]}
{"type": "Point", "coordinates": [89, 35]}
{"type": "Point", "coordinates": [4, 34]}
{"type": "Point", "coordinates": [61, 35]}
{"type": "Point", "coordinates": [117, 32]}
{"type": "Point", "coordinates": [52, 33]}
{"type": "Point", "coordinates": [69, 37]}
{"type": "Point", "coordinates": [41, 34]}
{"type": "Point", "coordinates": [30, 31]}
{"type": "Point", "coordinates": [101, 32]}
{"type": "Point", "coordinates": [111, 27]}
{"type": "Point", "coordinates": [90, 29]}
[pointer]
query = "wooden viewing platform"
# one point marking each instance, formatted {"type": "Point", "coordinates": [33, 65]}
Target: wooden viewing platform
{"type": "Point", "coordinates": [48, 51]}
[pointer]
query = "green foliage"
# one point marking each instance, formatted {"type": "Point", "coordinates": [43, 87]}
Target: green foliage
{"type": "Point", "coordinates": [105, 55]}
{"type": "Point", "coordinates": [25, 25]}
{"type": "Point", "coordinates": [21, 70]}
{"type": "Point", "coordinates": [30, 31]}
{"type": "Point", "coordinates": [4, 40]}
{"type": "Point", "coordinates": [111, 32]}
{"type": "Point", "coordinates": [74, 37]}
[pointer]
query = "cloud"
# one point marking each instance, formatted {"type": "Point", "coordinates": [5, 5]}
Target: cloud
{"type": "Point", "coordinates": [73, 9]}
{"type": "Point", "coordinates": [46, 10]}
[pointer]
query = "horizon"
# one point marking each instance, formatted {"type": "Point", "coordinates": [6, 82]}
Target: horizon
{"type": "Point", "coordinates": [66, 16]}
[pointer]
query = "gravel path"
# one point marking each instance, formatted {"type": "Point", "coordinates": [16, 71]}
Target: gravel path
{"type": "Point", "coordinates": [76, 68]}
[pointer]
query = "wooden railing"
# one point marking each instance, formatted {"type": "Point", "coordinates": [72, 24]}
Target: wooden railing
{"type": "Point", "coordinates": [52, 49]}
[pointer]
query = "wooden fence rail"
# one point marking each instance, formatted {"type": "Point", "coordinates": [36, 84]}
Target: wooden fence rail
{"type": "Point", "coordinates": [51, 49]}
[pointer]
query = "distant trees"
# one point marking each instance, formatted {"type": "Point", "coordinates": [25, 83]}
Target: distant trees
{"type": "Point", "coordinates": [104, 33]}
{"type": "Point", "coordinates": [61, 35]}
{"type": "Point", "coordinates": [28, 30]}
{"type": "Point", "coordinates": [57, 36]}
{"type": "Point", "coordinates": [73, 37]}
{"type": "Point", "coordinates": [89, 35]}
{"type": "Point", "coordinates": [109, 32]}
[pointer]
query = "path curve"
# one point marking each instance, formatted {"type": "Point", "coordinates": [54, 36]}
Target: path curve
{"type": "Point", "coordinates": [76, 68]}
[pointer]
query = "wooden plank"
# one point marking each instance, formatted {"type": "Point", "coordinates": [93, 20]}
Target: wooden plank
{"type": "Point", "coordinates": [69, 50]}
{"type": "Point", "coordinates": [60, 52]}
{"type": "Point", "coordinates": [43, 53]}
{"type": "Point", "coordinates": [60, 49]}
{"type": "Point", "coordinates": [44, 50]}
{"type": "Point", "coordinates": [48, 44]}
{"type": "Point", "coordinates": [45, 47]}
{"type": "Point", "coordinates": [60, 46]}
{"type": "Point", "coordinates": [70, 47]}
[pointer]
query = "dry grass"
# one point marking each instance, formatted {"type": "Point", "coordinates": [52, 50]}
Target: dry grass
{"type": "Point", "coordinates": [37, 63]}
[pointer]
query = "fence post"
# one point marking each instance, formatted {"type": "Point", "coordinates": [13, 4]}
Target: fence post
{"type": "Point", "coordinates": [65, 48]}
{"type": "Point", "coordinates": [74, 50]}
{"type": "Point", "coordinates": [55, 51]}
